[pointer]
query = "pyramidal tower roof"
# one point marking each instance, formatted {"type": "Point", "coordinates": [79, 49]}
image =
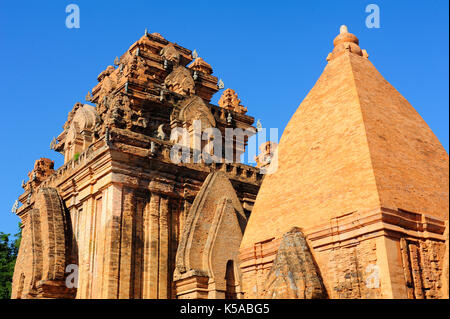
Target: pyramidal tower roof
{"type": "Point", "coordinates": [355, 144]}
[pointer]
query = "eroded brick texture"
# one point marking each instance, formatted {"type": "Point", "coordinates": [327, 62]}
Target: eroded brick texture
{"type": "Point", "coordinates": [127, 201]}
{"type": "Point", "coordinates": [358, 169]}
{"type": "Point", "coordinates": [359, 172]}
{"type": "Point", "coordinates": [43, 254]}
{"type": "Point", "coordinates": [294, 273]}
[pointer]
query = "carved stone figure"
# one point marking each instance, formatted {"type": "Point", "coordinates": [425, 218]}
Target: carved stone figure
{"type": "Point", "coordinates": [180, 81]}
{"type": "Point", "coordinates": [294, 273]}
{"type": "Point", "coordinates": [230, 101]}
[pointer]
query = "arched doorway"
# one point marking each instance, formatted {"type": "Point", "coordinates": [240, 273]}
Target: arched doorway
{"type": "Point", "coordinates": [230, 292]}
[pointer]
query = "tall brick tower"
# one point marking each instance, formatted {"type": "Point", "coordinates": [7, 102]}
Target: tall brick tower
{"type": "Point", "coordinates": [130, 221]}
{"type": "Point", "coordinates": [366, 181]}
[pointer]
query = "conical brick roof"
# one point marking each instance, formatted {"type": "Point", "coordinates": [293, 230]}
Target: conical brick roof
{"type": "Point", "coordinates": [354, 144]}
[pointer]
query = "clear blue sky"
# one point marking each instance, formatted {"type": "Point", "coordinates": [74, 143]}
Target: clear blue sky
{"type": "Point", "coordinates": [270, 52]}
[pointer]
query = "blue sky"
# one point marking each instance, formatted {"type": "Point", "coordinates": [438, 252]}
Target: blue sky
{"type": "Point", "coordinates": [270, 52]}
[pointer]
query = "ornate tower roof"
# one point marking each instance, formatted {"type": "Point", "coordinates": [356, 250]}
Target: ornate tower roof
{"type": "Point", "coordinates": [355, 144]}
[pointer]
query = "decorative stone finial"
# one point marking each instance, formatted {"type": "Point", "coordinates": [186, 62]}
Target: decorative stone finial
{"type": "Point", "coordinates": [267, 151]}
{"type": "Point", "coordinates": [221, 85]}
{"type": "Point", "coordinates": [53, 143]}
{"type": "Point", "coordinates": [15, 207]}
{"type": "Point", "coordinates": [230, 101]}
{"type": "Point", "coordinates": [194, 54]}
{"type": "Point", "coordinates": [345, 42]}
{"type": "Point", "coordinates": [200, 65]}
{"type": "Point", "coordinates": [229, 118]}
{"type": "Point", "coordinates": [259, 127]}
{"type": "Point", "coordinates": [160, 132]}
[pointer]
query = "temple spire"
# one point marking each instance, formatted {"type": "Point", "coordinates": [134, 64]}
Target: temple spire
{"type": "Point", "coordinates": [345, 42]}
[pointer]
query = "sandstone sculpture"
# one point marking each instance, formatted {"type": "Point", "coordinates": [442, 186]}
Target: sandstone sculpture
{"type": "Point", "coordinates": [294, 273]}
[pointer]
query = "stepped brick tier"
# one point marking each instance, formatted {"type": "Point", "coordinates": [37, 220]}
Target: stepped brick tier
{"type": "Point", "coordinates": [355, 204]}
{"type": "Point", "coordinates": [119, 207]}
{"type": "Point", "coordinates": [367, 181]}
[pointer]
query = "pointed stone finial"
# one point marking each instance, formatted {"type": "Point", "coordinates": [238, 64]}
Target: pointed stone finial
{"type": "Point", "coordinates": [229, 118]}
{"type": "Point", "coordinates": [345, 42]}
{"type": "Point", "coordinates": [53, 144]}
{"type": "Point", "coordinates": [221, 85]}
{"type": "Point", "coordinates": [259, 126]}
{"type": "Point", "coordinates": [365, 54]}
{"type": "Point", "coordinates": [343, 29]}
{"type": "Point", "coordinates": [200, 65]}
{"type": "Point", "coordinates": [195, 54]}
{"type": "Point", "coordinates": [160, 132]}
{"type": "Point", "coordinates": [116, 61]}
{"type": "Point", "coordinates": [15, 207]}
{"type": "Point", "coordinates": [88, 96]}
{"type": "Point", "coordinates": [229, 100]}
{"type": "Point", "coordinates": [146, 31]}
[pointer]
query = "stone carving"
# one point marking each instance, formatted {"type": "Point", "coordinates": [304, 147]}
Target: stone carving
{"type": "Point", "coordinates": [419, 261]}
{"type": "Point", "coordinates": [161, 134]}
{"type": "Point", "coordinates": [157, 35]}
{"type": "Point", "coordinates": [229, 118]}
{"type": "Point", "coordinates": [41, 274]}
{"type": "Point", "coordinates": [119, 112]}
{"type": "Point", "coordinates": [110, 69]}
{"type": "Point", "coordinates": [43, 168]}
{"type": "Point", "coordinates": [259, 126]}
{"type": "Point", "coordinates": [200, 65]}
{"type": "Point", "coordinates": [194, 54]}
{"type": "Point", "coordinates": [230, 101]}
{"type": "Point", "coordinates": [195, 108]}
{"type": "Point", "coordinates": [53, 143]}
{"type": "Point", "coordinates": [221, 85]}
{"type": "Point", "coordinates": [294, 273]}
{"type": "Point", "coordinates": [267, 150]}
{"type": "Point", "coordinates": [210, 241]}
{"type": "Point", "coordinates": [78, 131]}
{"type": "Point", "coordinates": [346, 41]}
{"type": "Point", "coordinates": [170, 53]}
{"type": "Point", "coordinates": [180, 81]}
{"type": "Point", "coordinates": [15, 206]}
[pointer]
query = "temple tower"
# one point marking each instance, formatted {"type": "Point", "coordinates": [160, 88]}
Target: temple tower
{"type": "Point", "coordinates": [117, 208]}
{"type": "Point", "coordinates": [367, 181]}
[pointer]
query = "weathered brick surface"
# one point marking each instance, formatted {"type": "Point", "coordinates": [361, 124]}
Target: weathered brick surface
{"type": "Point", "coordinates": [358, 170]}
{"type": "Point", "coordinates": [294, 273]}
{"type": "Point", "coordinates": [210, 241]}
{"type": "Point", "coordinates": [128, 201]}
{"type": "Point", "coordinates": [43, 254]}
{"type": "Point", "coordinates": [355, 163]}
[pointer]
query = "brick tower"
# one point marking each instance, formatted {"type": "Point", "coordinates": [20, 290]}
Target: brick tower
{"type": "Point", "coordinates": [365, 180]}
{"type": "Point", "coordinates": [130, 220]}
